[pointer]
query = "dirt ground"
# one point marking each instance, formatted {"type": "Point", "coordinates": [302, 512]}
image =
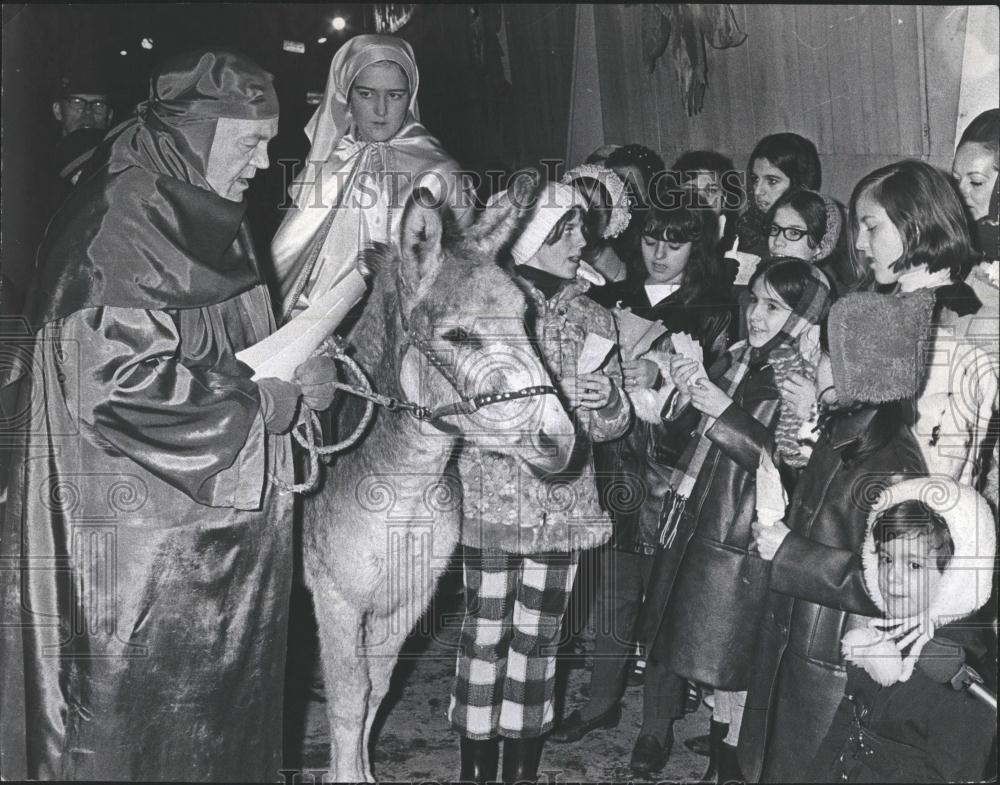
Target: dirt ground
{"type": "Point", "coordinates": [412, 740]}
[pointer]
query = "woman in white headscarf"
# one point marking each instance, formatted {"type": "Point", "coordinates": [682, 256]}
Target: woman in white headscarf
{"type": "Point", "coordinates": [369, 152]}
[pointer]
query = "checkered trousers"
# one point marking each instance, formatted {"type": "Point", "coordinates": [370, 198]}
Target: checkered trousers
{"type": "Point", "coordinates": [505, 675]}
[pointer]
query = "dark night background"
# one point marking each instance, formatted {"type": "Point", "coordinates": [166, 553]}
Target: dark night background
{"type": "Point", "coordinates": [465, 98]}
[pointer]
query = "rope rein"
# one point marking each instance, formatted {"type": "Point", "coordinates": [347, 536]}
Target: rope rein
{"type": "Point", "coordinates": [308, 432]}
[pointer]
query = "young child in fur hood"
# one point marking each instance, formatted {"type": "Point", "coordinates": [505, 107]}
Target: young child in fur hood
{"type": "Point", "coordinates": [928, 564]}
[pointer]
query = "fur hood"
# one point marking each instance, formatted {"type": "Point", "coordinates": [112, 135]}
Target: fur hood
{"type": "Point", "coordinates": [881, 647]}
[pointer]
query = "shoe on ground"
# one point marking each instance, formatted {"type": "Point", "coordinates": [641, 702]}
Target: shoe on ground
{"type": "Point", "coordinates": [637, 673]}
{"type": "Point", "coordinates": [574, 727]}
{"type": "Point", "coordinates": [648, 755]}
{"type": "Point", "coordinates": [699, 745]}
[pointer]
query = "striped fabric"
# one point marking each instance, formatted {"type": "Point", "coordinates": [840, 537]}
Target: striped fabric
{"type": "Point", "coordinates": [505, 675]}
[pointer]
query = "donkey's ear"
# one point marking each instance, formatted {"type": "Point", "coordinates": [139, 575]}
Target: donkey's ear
{"type": "Point", "coordinates": [500, 219]}
{"type": "Point", "coordinates": [420, 247]}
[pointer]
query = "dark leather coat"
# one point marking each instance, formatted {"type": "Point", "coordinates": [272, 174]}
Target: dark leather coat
{"type": "Point", "coordinates": [633, 472]}
{"type": "Point", "coordinates": [817, 594]}
{"type": "Point", "coordinates": [707, 590]}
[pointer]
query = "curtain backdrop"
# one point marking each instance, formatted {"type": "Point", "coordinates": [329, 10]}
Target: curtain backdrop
{"type": "Point", "coordinates": [868, 84]}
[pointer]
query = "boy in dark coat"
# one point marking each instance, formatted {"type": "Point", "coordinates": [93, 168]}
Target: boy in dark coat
{"type": "Point", "coordinates": [928, 561]}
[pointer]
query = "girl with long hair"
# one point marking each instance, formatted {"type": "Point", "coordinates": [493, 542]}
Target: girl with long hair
{"type": "Point", "coordinates": [908, 227]}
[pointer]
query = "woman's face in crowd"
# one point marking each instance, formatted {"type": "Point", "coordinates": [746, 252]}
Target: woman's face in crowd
{"type": "Point", "coordinates": [707, 184]}
{"type": "Point", "coordinates": [975, 173]}
{"type": "Point", "coordinates": [908, 577]}
{"type": "Point", "coordinates": [379, 100]}
{"type": "Point", "coordinates": [562, 258]}
{"type": "Point", "coordinates": [766, 315]}
{"type": "Point", "coordinates": [239, 149]}
{"type": "Point", "coordinates": [878, 239]}
{"type": "Point", "coordinates": [767, 183]}
{"type": "Point", "coordinates": [665, 261]}
{"type": "Point", "coordinates": [785, 217]}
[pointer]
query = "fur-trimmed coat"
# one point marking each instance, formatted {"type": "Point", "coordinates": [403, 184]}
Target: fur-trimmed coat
{"type": "Point", "coordinates": [505, 506]}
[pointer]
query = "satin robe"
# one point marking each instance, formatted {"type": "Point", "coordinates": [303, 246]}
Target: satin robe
{"type": "Point", "coordinates": [147, 557]}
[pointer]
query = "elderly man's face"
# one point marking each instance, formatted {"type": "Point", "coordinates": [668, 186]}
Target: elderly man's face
{"type": "Point", "coordinates": [82, 110]}
{"type": "Point", "coordinates": [239, 149]}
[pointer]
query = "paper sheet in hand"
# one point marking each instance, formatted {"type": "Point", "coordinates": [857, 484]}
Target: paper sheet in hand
{"type": "Point", "coordinates": [686, 346]}
{"type": "Point", "coordinates": [748, 266]}
{"type": "Point", "coordinates": [595, 350]}
{"type": "Point", "coordinates": [636, 335]}
{"type": "Point", "coordinates": [771, 498]}
{"type": "Point", "coordinates": [281, 353]}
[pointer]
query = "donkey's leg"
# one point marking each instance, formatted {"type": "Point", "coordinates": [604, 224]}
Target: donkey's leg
{"type": "Point", "coordinates": [346, 681]}
{"type": "Point", "coordinates": [386, 635]}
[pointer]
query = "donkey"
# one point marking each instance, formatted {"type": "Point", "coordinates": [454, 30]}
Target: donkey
{"type": "Point", "coordinates": [443, 323]}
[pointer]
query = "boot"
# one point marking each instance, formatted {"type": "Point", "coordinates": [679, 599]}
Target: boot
{"type": "Point", "coordinates": [729, 766]}
{"type": "Point", "coordinates": [520, 759]}
{"type": "Point", "coordinates": [716, 734]}
{"type": "Point", "coordinates": [479, 760]}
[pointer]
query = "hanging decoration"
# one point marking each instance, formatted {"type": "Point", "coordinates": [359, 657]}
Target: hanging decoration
{"type": "Point", "coordinates": [683, 29]}
{"type": "Point", "coordinates": [390, 17]}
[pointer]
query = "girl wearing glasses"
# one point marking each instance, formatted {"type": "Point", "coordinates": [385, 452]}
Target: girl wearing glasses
{"type": "Point", "coordinates": [779, 163]}
{"type": "Point", "coordinates": [808, 225]}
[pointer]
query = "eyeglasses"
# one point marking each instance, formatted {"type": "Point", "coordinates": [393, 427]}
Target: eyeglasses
{"type": "Point", "coordinates": [792, 234]}
{"type": "Point", "coordinates": [78, 104]}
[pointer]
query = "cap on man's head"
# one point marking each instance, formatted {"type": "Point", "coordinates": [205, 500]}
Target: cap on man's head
{"type": "Point", "coordinates": [84, 83]}
{"type": "Point", "coordinates": [207, 84]}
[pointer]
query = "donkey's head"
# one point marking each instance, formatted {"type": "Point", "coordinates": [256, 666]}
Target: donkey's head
{"type": "Point", "coordinates": [461, 333]}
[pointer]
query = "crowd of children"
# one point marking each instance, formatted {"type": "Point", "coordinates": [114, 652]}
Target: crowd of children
{"type": "Point", "coordinates": [850, 349]}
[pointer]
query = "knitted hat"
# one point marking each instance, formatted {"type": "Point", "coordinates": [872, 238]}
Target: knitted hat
{"type": "Point", "coordinates": [615, 189]}
{"type": "Point", "coordinates": [964, 588]}
{"type": "Point", "coordinates": [834, 225]}
{"type": "Point", "coordinates": [554, 201]}
{"type": "Point", "coordinates": [877, 344]}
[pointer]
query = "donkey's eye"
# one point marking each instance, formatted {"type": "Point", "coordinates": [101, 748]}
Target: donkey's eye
{"type": "Point", "coordinates": [460, 335]}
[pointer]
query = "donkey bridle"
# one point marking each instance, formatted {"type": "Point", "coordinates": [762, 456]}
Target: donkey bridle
{"type": "Point", "coordinates": [465, 405]}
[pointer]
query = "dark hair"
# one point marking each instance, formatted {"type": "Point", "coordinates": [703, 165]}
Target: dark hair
{"type": "Point", "coordinates": [788, 277]}
{"type": "Point", "coordinates": [687, 166]}
{"type": "Point", "coordinates": [556, 232]}
{"type": "Point", "coordinates": [642, 158]}
{"type": "Point", "coordinates": [701, 161]}
{"type": "Point", "coordinates": [984, 130]}
{"type": "Point", "coordinates": [809, 206]}
{"type": "Point", "coordinates": [599, 200]}
{"type": "Point", "coordinates": [911, 519]}
{"type": "Point", "coordinates": [922, 204]}
{"type": "Point", "coordinates": [682, 223]}
{"type": "Point", "coordinates": [794, 155]}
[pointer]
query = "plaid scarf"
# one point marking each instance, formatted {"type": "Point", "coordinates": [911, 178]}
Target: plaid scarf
{"type": "Point", "coordinates": [807, 312]}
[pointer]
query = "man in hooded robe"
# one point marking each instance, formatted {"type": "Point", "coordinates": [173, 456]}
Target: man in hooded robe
{"type": "Point", "coordinates": [146, 553]}
{"type": "Point", "coordinates": [369, 153]}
